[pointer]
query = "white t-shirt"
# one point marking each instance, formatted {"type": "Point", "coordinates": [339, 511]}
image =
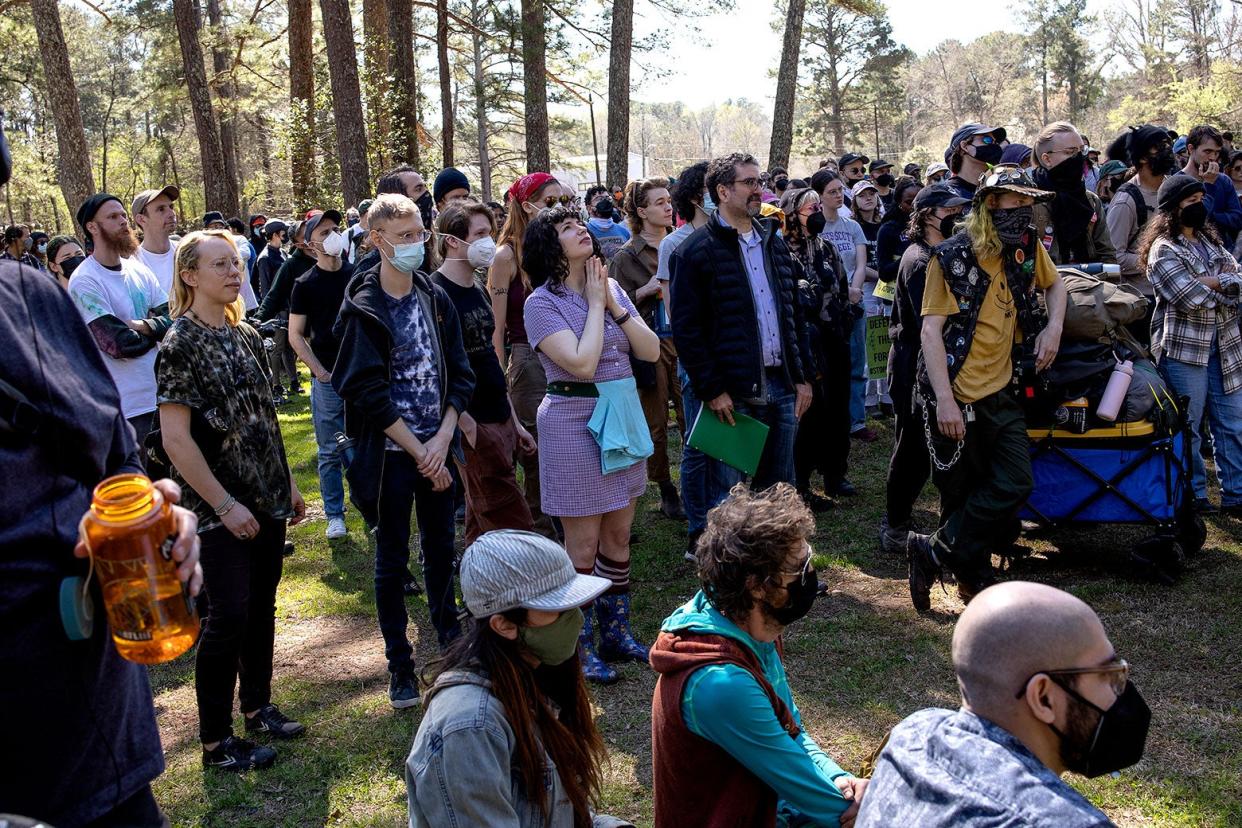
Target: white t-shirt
{"type": "Point", "coordinates": [846, 235]}
{"type": "Point", "coordinates": [129, 294]}
{"type": "Point", "coordinates": [245, 253]}
{"type": "Point", "coordinates": [161, 264]}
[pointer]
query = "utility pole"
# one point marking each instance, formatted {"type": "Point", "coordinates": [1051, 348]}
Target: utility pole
{"type": "Point", "coordinates": [876, 113]}
{"type": "Point", "coordinates": [594, 139]}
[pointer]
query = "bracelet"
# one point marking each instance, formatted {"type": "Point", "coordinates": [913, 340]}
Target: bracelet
{"type": "Point", "coordinates": [226, 506]}
{"type": "Point", "coordinates": [622, 319]}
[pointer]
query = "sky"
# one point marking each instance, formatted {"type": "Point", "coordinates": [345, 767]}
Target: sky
{"type": "Point", "coordinates": [732, 54]}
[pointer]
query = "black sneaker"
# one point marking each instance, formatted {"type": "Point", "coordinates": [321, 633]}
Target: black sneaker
{"type": "Point", "coordinates": [692, 543]}
{"type": "Point", "coordinates": [814, 501]}
{"type": "Point", "coordinates": [288, 550]}
{"type": "Point", "coordinates": [270, 720]}
{"type": "Point", "coordinates": [238, 755]}
{"type": "Point", "coordinates": [1205, 507]}
{"type": "Point", "coordinates": [922, 570]}
{"type": "Point", "coordinates": [403, 690]}
{"type": "Point", "coordinates": [411, 585]}
{"type": "Point", "coordinates": [842, 488]}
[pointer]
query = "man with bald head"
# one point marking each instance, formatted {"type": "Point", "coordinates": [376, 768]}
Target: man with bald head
{"type": "Point", "coordinates": [1043, 692]}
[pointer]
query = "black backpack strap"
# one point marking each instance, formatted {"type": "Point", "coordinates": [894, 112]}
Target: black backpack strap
{"type": "Point", "coordinates": [1140, 203]}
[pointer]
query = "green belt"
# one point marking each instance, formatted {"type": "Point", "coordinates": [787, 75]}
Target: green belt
{"type": "Point", "coordinates": [573, 389]}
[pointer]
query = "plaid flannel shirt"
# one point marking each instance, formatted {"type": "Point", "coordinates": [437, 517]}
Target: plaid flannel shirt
{"type": "Point", "coordinates": [1189, 315]}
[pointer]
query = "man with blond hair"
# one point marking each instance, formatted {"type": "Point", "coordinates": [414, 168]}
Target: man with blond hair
{"type": "Point", "coordinates": [1072, 227]}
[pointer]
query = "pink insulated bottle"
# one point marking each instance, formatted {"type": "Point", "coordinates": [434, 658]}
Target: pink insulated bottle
{"type": "Point", "coordinates": [1115, 392]}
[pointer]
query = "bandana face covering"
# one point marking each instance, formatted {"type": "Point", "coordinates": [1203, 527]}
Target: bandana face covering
{"type": "Point", "coordinates": [1012, 223]}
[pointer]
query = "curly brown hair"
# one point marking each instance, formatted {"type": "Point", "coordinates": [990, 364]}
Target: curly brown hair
{"type": "Point", "coordinates": [747, 540]}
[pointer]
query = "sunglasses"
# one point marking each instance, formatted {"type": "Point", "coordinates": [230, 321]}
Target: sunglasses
{"type": "Point", "coordinates": [551, 201]}
{"type": "Point", "coordinates": [986, 140]}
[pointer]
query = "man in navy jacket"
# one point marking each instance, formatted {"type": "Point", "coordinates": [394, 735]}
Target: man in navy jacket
{"type": "Point", "coordinates": [1203, 148]}
{"type": "Point", "coordinates": [735, 313]}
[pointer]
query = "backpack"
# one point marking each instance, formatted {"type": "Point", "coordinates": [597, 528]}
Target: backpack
{"type": "Point", "coordinates": [1140, 204]}
{"type": "Point", "coordinates": [1096, 310]}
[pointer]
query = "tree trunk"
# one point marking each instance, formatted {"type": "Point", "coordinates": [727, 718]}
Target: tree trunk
{"type": "Point", "coordinates": [302, 103]}
{"type": "Point", "coordinates": [404, 82]}
{"type": "Point", "coordinates": [446, 81]}
{"type": "Point", "coordinates": [221, 65]}
{"type": "Point", "coordinates": [73, 160]}
{"type": "Point", "coordinates": [480, 102]}
{"type": "Point", "coordinates": [617, 171]}
{"type": "Point", "coordinates": [786, 87]}
{"type": "Point", "coordinates": [535, 86]}
{"type": "Point", "coordinates": [375, 84]}
{"type": "Point", "coordinates": [216, 192]}
{"type": "Point", "coordinates": [351, 134]}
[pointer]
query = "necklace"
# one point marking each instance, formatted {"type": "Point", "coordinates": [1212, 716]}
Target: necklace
{"type": "Point", "coordinates": [204, 323]}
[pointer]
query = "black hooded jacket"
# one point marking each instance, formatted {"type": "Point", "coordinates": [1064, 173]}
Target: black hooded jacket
{"type": "Point", "coordinates": [363, 370]}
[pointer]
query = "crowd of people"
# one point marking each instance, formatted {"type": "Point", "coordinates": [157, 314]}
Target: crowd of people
{"type": "Point", "coordinates": [518, 368]}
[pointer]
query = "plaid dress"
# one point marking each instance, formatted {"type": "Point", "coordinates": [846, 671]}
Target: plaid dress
{"type": "Point", "coordinates": [1189, 315]}
{"type": "Point", "coordinates": [571, 480]}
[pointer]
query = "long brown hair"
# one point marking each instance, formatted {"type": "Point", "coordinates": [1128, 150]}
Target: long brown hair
{"type": "Point", "coordinates": [1169, 225]}
{"type": "Point", "coordinates": [514, 229]}
{"type": "Point", "coordinates": [566, 732]}
{"type": "Point", "coordinates": [793, 201]}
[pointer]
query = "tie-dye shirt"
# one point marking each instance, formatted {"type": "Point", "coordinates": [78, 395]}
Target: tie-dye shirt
{"type": "Point", "coordinates": [415, 378]}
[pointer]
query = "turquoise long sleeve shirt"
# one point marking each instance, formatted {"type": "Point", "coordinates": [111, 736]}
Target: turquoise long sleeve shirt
{"type": "Point", "coordinates": [725, 705]}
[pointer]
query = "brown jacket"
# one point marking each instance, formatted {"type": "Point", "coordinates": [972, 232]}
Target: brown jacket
{"type": "Point", "coordinates": [632, 267]}
{"type": "Point", "coordinates": [1099, 242]}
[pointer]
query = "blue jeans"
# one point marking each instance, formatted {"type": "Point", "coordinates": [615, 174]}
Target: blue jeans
{"type": "Point", "coordinates": [404, 489]}
{"type": "Point", "coordinates": [776, 465]}
{"type": "Point", "coordinates": [858, 375]}
{"type": "Point", "coordinates": [1206, 387]}
{"type": "Point", "coordinates": [693, 461]}
{"type": "Point", "coordinates": [328, 415]}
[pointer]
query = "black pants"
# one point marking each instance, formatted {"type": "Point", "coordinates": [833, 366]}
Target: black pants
{"type": "Point", "coordinates": [403, 488]}
{"type": "Point", "coordinates": [981, 494]}
{"type": "Point", "coordinates": [142, 424]}
{"type": "Point", "coordinates": [823, 441]}
{"type": "Point", "coordinates": [909, 467]}
{"type": "Point", "coordinates": [139, 811]}
{"type": "Point", "coordinates": [239, 632]}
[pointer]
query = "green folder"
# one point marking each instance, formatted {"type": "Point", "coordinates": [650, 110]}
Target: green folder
{"type": "Point", "coordinates": [739, 445]}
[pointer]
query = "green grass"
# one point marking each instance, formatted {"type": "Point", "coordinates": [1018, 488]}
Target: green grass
{"type": "Point", "coordinates": [859, 663]}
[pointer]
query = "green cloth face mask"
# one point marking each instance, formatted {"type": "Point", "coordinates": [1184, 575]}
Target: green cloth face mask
{"type": "Point", "coordinates": [554, 643]}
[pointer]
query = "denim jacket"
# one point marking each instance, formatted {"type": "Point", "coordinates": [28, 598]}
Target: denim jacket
{"type": "Point", "coordinates": [953, 769]}
{"type": "Point", "coordinates": [460, 771]}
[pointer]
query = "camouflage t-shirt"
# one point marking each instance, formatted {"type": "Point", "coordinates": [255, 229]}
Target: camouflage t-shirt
{"type": "Point", "coordinates": [223, 375]}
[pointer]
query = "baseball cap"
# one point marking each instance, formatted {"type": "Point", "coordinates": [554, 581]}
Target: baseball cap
{"type": "Point", "coordinates": [144, 198]}
{"type": "Point", "coordinates": [938, 195]}
{"type": "Point", "coordinates": [970, 130]}
{"type": "Point", "coordinates": [258, 220]}
{"type": "Point", "coordinates": [1180, 144]}
{"type": "Point", "coordinates": [937, 167]}
{"type": "Point", "coordinates": [878, 164]}
{"type": "Point", "coordinates": [851, 157]}
{"type": "Point", "coordinates": [911, 168]}
{"type": "Point", "coordinates": [509, 568]}
{"type": "Point", "coordinates": [273, 227]}
{"type": "Point", "coordinates": [1110, 168]}
{"type": "Point", "coordinates": [314, 217]}
{"type": "Point", "coordinates": [865, 184]}
{"type": "Point", "coordinates": [212, 217]}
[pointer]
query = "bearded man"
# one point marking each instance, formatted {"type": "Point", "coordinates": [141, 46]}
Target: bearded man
{"type": "Point", "coordinates": [122, 304]}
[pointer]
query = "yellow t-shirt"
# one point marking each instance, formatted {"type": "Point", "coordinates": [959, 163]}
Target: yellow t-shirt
{"type": "Point", "coordinates": [989, 365]}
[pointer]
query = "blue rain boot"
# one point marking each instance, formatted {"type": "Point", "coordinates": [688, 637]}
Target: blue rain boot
{"type": "Point", "coordinates": [616, 639]}
{"type": "Point", "coordinates": [593, 667]}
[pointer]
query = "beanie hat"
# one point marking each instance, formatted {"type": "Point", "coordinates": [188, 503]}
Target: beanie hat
{"type": "Point", "coordinates": [90, 207]}
{"type": "Point", "coordinates": [1175, 189]}
{"type": "Point", "coordinates": [449, 179]}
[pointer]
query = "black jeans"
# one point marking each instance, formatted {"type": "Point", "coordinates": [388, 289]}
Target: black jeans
{"type": "Point", "coordinates": [823, 442]}
{"type": "Point", "coordinates": [403, 488]}
{"type": "Point", "coordinates": [142, 424]}
{"type": "Point", "coordinates": [239, 631]}
{"type": "Point", "coordinates": [910, 466]}
{"type": "Point", "coordinates": [981, 494]}
{"type": "Point", "coordinates": [139, 811]}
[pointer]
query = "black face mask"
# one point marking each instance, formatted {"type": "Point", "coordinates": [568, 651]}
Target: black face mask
{"type": "Point", "coordinates": [781, 183]}
{"type": "Point", "coordinates": [885, 180]}
{"type": "Point", "coordinates": [71, 264]}
{"type": "Point", "coordinates": [815, 223]}
{"type": "Point", "coordinates": [1115, 741]}
{"type": "Point", "coordinates": [1012, 224]}
{"type": "Point", "coordinates": [424, 206]}
{"type": "Point", "coordinates": [947, 225]}
{"type": "Point", "coordinates": [801, 596]}
{"type": "Point", "coordinates": [990, 154]}
{"type": "Point", "coordinates": [1163, 163]}
{"type": "Point", "coordinates": [1069, 173]}
{"type": "Point", "coordinates": [1194, 215]}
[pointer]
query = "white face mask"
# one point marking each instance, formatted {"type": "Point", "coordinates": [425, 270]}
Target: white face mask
{"type": "Point", "coordinates": [482, 252]}
{"type": "Point", "coordinates": [335, 244]}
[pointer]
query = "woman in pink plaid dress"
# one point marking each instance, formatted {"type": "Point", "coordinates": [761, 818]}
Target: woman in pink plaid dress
{"type": "Point", "coordinates": [584, 328]}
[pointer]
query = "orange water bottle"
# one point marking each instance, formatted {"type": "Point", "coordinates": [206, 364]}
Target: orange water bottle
{"type": "Point", "coordinates": [130, 532]}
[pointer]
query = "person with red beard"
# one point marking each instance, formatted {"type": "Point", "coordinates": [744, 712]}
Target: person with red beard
{"type": "Point", "coordinates": [123, 305]}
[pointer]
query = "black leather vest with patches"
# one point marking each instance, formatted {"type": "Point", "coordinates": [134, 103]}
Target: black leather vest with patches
{"type": "Point", "coordinates": [969, 282]}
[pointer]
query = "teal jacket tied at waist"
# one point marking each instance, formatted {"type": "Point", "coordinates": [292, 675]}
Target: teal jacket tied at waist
{"type": "Point", "coordinates": [619, 426]}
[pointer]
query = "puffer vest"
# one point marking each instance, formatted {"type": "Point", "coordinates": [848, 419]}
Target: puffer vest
{"type": "Point", "coordinates": [968, 282]}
